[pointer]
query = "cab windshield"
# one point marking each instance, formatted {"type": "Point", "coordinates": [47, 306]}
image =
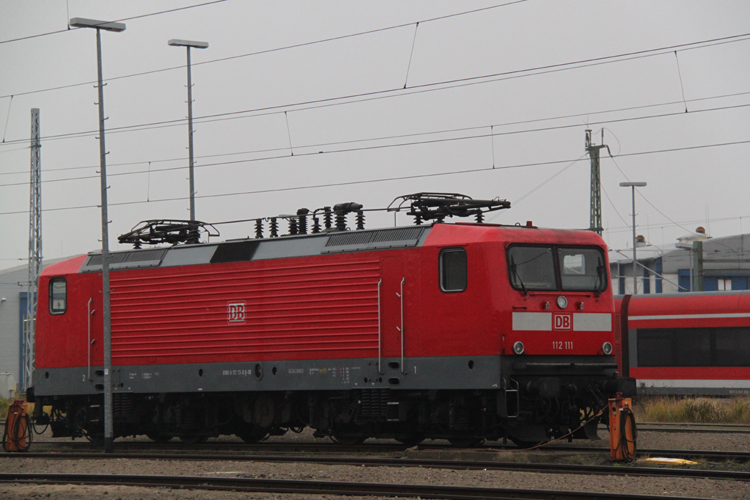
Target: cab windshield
{"type": "Point", "coordinates": [556, 268]}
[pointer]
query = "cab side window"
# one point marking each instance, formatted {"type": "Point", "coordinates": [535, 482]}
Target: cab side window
{"type": "Point", "coordinates": [453, 271]}
{"type": "Point", "coordinates": [58, 295]}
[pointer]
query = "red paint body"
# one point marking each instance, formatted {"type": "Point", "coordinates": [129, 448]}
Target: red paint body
{"type": "Point", "coordinates": [320, 307]}
{"type": "Point", "coordinates": [684, 312]}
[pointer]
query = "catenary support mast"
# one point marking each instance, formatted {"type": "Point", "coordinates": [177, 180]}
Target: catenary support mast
{"type": "Point", "coordinates": [595, 218]}
{"type": "Point", "coordinates": [35, 248]}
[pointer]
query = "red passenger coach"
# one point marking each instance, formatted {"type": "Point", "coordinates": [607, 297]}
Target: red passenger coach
{"type": "Point", "coordinates": [687, 343]}
{"type": "Point", "coordinates": [465, 331]}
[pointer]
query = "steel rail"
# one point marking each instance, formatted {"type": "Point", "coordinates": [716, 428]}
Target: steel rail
{"type": "Point", "coordinates": [677, 430]}
{"type": "Point", "coordinates": [694, 424]}
{"type": "Point", "coordinates": [334, 448]}
{"type": "Point", "coordinates": [677, 427]}
{"type": "Point", "coordinates": [739, 456]}
{"type": "Point", "coordinates": [315, 487]}
{"type": "Point", "coordinates": [549, 468]}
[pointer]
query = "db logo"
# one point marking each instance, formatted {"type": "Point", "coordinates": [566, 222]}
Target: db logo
{"type": "Point", "coordinates": [562, 322]}
{"type": "Point", "coordinates": [236, 312]}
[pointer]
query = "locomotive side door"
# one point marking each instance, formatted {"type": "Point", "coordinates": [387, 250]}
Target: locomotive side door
{"type": "Point", "coordinates": [391, 306]}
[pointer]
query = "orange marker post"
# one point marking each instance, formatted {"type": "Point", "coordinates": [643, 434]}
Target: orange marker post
{"type": "Point", "coordinates": [622, 428]}
{"type": "Point", "coordinates": [15, 437]}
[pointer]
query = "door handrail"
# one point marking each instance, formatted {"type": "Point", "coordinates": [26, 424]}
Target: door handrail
{"type": "Point", "coordinates": [88, 316]}
{"type": "Point", "coordinates": [403, 368]}
{"type": "Point", "coordinates": [380, 333]}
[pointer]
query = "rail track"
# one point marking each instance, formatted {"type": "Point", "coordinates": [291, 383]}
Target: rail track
{"type": "Point", "coordinates": [231, 448]}
{"type": "Point", "coordinates": [315, 487]}
{"type": "Point", "coordinates": [450, 464]}
{"type": "Point", "coordinates": [676, 427]}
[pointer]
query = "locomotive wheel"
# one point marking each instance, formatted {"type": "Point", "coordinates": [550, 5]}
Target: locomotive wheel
{"type": "Point", "coordinates": [410, 439]}
{"type": "Point", "coordinates": [158, 437]}
{"type": "Point", "coordinates": [193, 439]}
{"type": "Point", "coordinates": [349, 434]}
{"type": "Point", "coordinates": [466, 442]}
{"type": "Point", "coordinates": [525, 444]}
{"type": "Point", "coordinates": [79, 421]}
{"type": "Point", "coordinates": [254, 435]}
{"type": "Point", "coordinates": [349, 439]}
{"type": "Point", "coordinates": [95, 439]}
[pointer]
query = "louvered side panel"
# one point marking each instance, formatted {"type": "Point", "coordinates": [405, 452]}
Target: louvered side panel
{"type": "Point", "coordinates": [304, 310]}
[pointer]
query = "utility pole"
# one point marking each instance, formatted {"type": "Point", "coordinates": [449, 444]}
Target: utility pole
{"type": "Point", "coordinates": [595, 218]}
{"type": "Point", "coordinates": [79, 22]}
{"type": "Point", "coordinates": [632, 186]}
{"type": "Point", "coordinates": [35, 248]}
{"type": "Point", "coordinates": [196, 45]}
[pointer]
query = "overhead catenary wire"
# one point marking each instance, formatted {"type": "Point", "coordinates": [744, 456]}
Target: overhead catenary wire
{"type": "Point", "coordinates": [382, 94]}
{"type": "Point", "coordinates": [260, 52]}
{"type": "Point", "coordinates": [415, 134]}
{"type": "Point", "coordinates": [349, 99]}
{"type": "Point", "coordinates": [549, 179]}
{"type": "Point", "coordinates": [411, 54]}
{"type": "Point", "coordinates": [307, 105]}
{"type": "Point", "coordinates": [424, 87]}
{"type": "Point", "coordinates": [5, 130]}
{"type": "Point", "coordinates": [11, 151]}
{"type": "Point", "coordinates": [289, 134]}
{"type": "Point", "coordinates": [492, 141]}
{"type": "Point", "coordinates": [682, 86]}
{"type": "Point", "coordinates": [38, 35]}
{"type": "Point", "coordinates": [664, 215]}
{"type": "Point", "coordinates": [372, 181]}
{"type": "Point", "coordinates": [680, 224]}
{"type": "Point", "coordinates": [674, 95]}
{"type": "Point", "coordinates": [652, 271]}
{"type": "Point", "coordinates": [491, 135]}
{"type": "Point", "coordinates": [640, 193]}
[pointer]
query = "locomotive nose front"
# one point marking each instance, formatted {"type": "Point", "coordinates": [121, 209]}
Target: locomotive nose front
{"type": "Point", "coordinates": [559, 369]}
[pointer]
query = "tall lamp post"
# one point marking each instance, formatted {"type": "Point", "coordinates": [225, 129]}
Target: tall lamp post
{"type": "Point", "coordinates": [196, 45]}
{"type": "Point", "coordinates": [634, 185]}
{"type": "Point", "coordinates": [80, 22]}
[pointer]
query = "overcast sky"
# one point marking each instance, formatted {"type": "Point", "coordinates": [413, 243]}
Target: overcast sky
{"type": "Point", "coordinates": [485, 103]}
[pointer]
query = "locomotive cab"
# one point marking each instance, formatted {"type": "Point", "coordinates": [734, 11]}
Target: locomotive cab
{"type": "Point", "coordinates": [558, 366]}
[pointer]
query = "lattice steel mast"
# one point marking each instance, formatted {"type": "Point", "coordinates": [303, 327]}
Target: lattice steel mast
{"type": "Point", "coordinates": [35, 248]}
{"type": "Point", "coordinates": [595, 218]}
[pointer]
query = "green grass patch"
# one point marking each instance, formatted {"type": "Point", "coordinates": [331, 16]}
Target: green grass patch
{"type": "Point", "coordinates": [4, 404]}
{"type": "Point", "coordinates": [693, 409]}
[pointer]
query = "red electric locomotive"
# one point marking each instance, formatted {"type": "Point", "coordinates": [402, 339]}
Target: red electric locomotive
{"type": "Point", "coordinates": [465, 331]}
{"type": "Point", "coordinates": [686, 343]}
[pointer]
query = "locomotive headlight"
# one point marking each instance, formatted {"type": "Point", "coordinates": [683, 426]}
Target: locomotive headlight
{"type": "Point", "coordinates": [607, 348]}
{"type": "Point", "coordinates": [518, 347]}
{"type": "Point", "coordinates": [562, 302]}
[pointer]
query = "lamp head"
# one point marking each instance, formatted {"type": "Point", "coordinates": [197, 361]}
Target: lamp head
{"type": "Point", "coordinates": [187, 43]}
{"type": "Point", "coordinates": [82, 22]}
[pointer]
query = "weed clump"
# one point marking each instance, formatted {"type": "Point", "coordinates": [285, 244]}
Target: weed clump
{"type": "Point", "coordinates": [693, 409]}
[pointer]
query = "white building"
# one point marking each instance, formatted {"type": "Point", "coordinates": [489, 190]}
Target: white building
{"type": "Point", "coordinates": [724, 264]}
{"type": "Point", "coordinates": [14, 288]}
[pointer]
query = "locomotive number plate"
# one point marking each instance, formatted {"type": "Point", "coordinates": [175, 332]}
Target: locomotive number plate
{"type": "Point", "coordinates": [562, 345]}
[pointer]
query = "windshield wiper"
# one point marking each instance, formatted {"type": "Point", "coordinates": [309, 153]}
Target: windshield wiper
{"type": "Point", "coordinates": [599, 284]}
{"type": "Point", "coordinates": [514, 270]}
